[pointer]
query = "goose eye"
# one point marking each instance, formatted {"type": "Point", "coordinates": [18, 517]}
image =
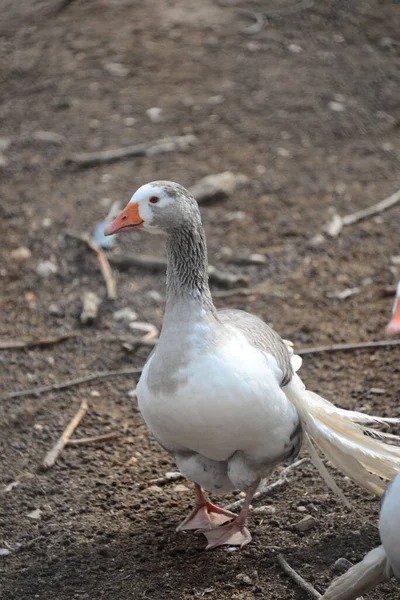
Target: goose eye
{"type": "Point", "coordinates": [154, 199]}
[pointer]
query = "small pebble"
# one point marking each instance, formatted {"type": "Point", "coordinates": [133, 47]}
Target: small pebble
{"type": "Point", "coordinates": [129, 121]}
{"type": "Point", "coordinates": [55, 310]}
{"type": "Point", "coordinates": [46, 269]}
{"type": "Point", "coordinates": [154, 295]}
{"type": "Point", "coordinates": [181, 489]}
{"type": "Point", "coordinates": [4, 551]}
{"type": "Point", "coordinates": [154, 114]}
{"type": "Point", "coordinates": [35, 514]}
{"type": "Point", "coordinates": [264, 510]}
{"type": "Point", "coordinates": [154, 489]}
{"type": "Point", "coordinates": [336, 106]}
{"type": "Point", "coordinates": [214, 100]}
{"type": "Point", "coordinates": [125, 314]}
{"type": "Point", "coordinates": [244, 578]}
{"type": "Point", "coordinates": [21, 253]}
{"type": "Point", "coordinates": [117, 69]}
{"type": "Point", "coordinates": [4, 143]}
{"type": "Point", "coordinates": [306, 524]}
{"type": "Point", "coordinates": [141, 327]}
{"type": "Point", "coordinates": [295, 48]}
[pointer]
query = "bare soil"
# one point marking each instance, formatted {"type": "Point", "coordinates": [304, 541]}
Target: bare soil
{"type": "Point", "coordinates": [260, 104]}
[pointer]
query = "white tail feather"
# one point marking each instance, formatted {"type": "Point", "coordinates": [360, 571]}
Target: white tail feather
{"type": "Point", "coordinates": [342, 435]}
{"type": "Point", "coordinates": [361, 578]}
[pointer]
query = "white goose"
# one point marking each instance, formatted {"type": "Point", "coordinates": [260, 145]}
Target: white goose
{"type": "Point", "coordinates": [382, 562]}
{"type": "Point", "coordinates": [219, 391]}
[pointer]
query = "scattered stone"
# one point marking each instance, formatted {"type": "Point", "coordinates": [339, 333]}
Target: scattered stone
{"type": "Point", "coordinates": [264, 510]}
{"type": "Point", "coordinates": [301, 509]}
{"type": "Point", "coordinates": [21, 253]}
{"type": "Point", "coordinates": [217, 185]}
{"type": "Point", "coordinates": [94, 123]}
{"type": "Point", "coordinates": [336, 106]}
{"type": "Point", "coordinates": [95, 394]}
{"type": "Point", "coordinates": [181, 489]}
{"type": "Point", "coordinates": [283, 152]}
{"type": "Point", "coordinates": [46, 269]}
{"type": "Point", "coordinates": [91, 303]}
{"type": "Point", "coordinates": [154, 489]}
{"type": "Point", "coordinates": [306, 524]}
{"type": "Point", "coordinates": [55, 310]}
{"type": "Point", "coordinates": [3, 161]}
{"type": "Point", "coordinates": [295, 48]}
{"type": "Point", "coordinates": [35, 514]}
{"type": "Point", "coordinates": [171, 475]}
{"type": "Point", "coordinates": [47, 222]}
{"type": "Point", "coordinates": [48, 137]}
{"type": "Point", "coordinates": [154, 295]}
{"type": "Point", "coordinates": [125, 314]}
{"type": "Point", "coordinates": [4, 143]}
{"type": "Point", "coordinates": [129, 122]}
{"type": "Point", "coordinates": [235, 215]}
{"type": "Point", "coordinates": [4, 551]}
{"type": "Point", "coordinates": [214, 100]}
{"type": "Point", "coordinates": [116, 69]}
{"type": "Point", "coordinates": [244, 578]}
{"type": "Point", "coordinates": [317, 240]}
{"type": "Point", "coordinates": [155, 114]}
{"type": "Point", "coordinates": [377, 391]}
{"type": "Point", "coordinates": [341, 565]}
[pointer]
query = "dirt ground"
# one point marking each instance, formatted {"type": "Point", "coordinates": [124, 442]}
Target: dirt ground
{"type": "Point", "coordinates": [308, 108]}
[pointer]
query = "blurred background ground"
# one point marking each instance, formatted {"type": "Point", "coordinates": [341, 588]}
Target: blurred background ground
{"type": "Point", "coordinates": [308, 109]}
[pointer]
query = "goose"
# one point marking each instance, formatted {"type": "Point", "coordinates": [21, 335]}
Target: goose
{"type": "Point", "coordinates": [393, 327]}
{"type": "Point", "coordinates": [220, 391]}
{"type": "Point", "coordinates": [382, 562]}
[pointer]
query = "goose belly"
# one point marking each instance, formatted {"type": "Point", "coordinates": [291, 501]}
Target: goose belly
{"type": "Point", "coordinates": [218, 404]}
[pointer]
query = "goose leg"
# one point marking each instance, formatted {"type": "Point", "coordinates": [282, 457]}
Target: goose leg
{"type": "Point", "coordinates": [236, 532]}
{"type": "Point", "coordinates": [205, 515]}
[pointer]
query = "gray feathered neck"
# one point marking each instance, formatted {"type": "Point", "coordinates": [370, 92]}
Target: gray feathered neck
{"type": "Point", "coordinates": [187, 270]}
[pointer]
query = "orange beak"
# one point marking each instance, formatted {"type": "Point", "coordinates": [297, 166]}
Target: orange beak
{"type": "Point", "coordinates": [129, 218]}
{"type": "Point", "coordinates": [393, 328]}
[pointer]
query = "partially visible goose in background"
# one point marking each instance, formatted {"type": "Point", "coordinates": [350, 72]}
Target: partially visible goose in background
{"type": "Point", "coordinates": [220, 392]}
{"type": "Point", "coordinates": [393, 327]}
{"type": "Point", "coordinates": [381, 563]}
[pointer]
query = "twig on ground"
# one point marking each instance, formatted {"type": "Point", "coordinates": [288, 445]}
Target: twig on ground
{"type": "Point", "coordinates": [101, 257]}
{"type": "Point", "coordinates": [96, 438]}
{"type": "Point", "coordinates": [260, 20]}
{"type": "Point", "coordinates": [334, 227]}
{"type": "Point", "coordinates": [273, 486]}
{"type": "Point", "coordinates": [346, 347]}
{"type": "Point", "coordinates": [234, 292]}
{"type": "Point", "coordinates": [159, 263]}
{"type": "Point", "coordinates": [168, 477]}
{"type": "Point", "coordinates": [373, 210]}
{"type": "Point", "coordinates": [15, 344]}
{"type": "Point", "coordinates": [54, 453]}
{"type": "Point", "coordinates": [168, 144]}
{"type": "Point", "coordinates": [298, 579]}
{"type": "Point", "coordinates": [72, 382]}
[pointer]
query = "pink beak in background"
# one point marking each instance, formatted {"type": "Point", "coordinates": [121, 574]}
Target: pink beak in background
{"type": "Point", "coordinates": [128, 219]}
{"type": "Point", "coordinates": [393, 327]}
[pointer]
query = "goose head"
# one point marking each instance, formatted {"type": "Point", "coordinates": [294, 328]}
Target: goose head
{"type": "Point", "coordinates": [158, 207]}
